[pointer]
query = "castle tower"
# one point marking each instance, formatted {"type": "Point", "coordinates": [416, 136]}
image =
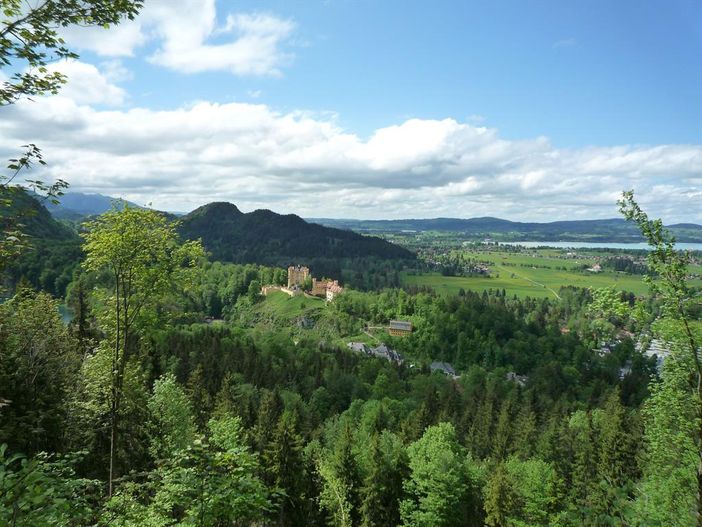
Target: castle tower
{"type": "Point", "coordinates": [297, 275]}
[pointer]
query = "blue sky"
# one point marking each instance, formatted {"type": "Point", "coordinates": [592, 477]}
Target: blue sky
{"type": "Point", "coordinates": [581, 73]}
{"type": "Point", "coordinates": [526, 110]}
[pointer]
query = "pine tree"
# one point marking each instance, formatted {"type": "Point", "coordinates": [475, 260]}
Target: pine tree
{"type": "Point", "coordinates": [524, 432]}
{"type": "Point", "coordinates": [346, 468]}
{"type": "Point", "coordinates": [269, 411]}
{"type": "Point", "coordinates": [499, 498]}
{"type": "Point", "coordinates": [286, 470]}
{"type": "Point", "coordinates": [480, 438]}
{"type": "Point", "coordinates": [382, 487]}
{"type": "Point", "coordinates": [583, 476]}
{"type": "Point", "coordinates": [503, 431]}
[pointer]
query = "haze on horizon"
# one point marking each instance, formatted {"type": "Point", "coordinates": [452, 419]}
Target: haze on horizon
{"type": "Point", "coordinates": [357, 109]}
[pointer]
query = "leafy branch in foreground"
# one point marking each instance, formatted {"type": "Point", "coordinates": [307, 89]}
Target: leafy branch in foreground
{"type": "Point", "coordinates": [671, 490]}
{"type": "Point", "coordinates": [30, 39]}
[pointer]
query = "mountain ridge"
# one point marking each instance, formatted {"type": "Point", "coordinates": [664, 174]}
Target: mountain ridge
{"type": "Point", "coordinates": [77, 205]}
{"type": "Point", "coordinates": [596, 230]}
{"type": "Point", "coordinates": [264, 236]}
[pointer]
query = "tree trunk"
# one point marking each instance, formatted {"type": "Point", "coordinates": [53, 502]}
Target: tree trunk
{"type": "Point", "coordinates": [114, 375]}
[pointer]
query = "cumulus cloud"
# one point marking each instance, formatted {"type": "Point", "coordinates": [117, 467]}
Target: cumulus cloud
{"type": "Point", "coordinates": [188, 38]}
{"type": "Point", "coordinates": [306, 163]}
{"type": "Point", "coordinates": [88, 85]}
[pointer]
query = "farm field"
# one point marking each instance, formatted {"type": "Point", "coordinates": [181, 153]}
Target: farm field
{"type": "Point", "coordinates": [543, 258]}
{"type": "Point", "coordinates": [537, 275]}
{"type": "Point", "coordinates": [524, 282]}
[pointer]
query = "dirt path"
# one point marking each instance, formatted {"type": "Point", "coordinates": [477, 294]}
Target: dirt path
{"type": "Point", "coordinates": [530, 280]}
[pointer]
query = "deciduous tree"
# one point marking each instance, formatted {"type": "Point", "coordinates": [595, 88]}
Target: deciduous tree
{"type": "Point", "coordinates": [139, 250]}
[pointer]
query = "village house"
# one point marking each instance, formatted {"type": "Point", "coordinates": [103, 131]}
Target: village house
{"type": "Point", "coordinates": [400, 328]}
{"type": "Point", "coordinates": [381, 351]}
{"type": "Point", "coordinates": [443, 367]}
{"type": "Point", "coordinates": [328, 289]}
{"type": "Point", "coordinates": [521, 380]}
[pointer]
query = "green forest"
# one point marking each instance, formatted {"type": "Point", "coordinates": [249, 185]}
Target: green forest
{"type": "Point", "coordinates": [145, 380]}
{"type": "Point", "coordinates": [175, 396]}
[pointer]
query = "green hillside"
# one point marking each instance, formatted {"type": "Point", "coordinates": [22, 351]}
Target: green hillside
{"type": "Point", "coordinates": [265, 237]}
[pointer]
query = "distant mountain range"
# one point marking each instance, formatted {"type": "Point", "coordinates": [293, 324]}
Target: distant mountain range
{"type": "Point", "coordinates": [609, 230]}
{"type": "Point", "coordinates": [262, 236]}
{"type": "Point", "coordinates": [278, 231]}
{"type": "Point", "coordinates": [76, 205]}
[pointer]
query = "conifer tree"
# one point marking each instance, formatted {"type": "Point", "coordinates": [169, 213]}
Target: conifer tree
{"type": "Point", "coordinates": [481, 432]}
{"type": "Point", "coordinates": [270, 409]}
{"type": "Point", "coordinates": [346, 467]}
{"type": "Point", "coordinates": [499, 498]}
{"type": "Point", "coordinates": [286, 470]}
{"type": "Point", "coordinates": [382, 487]}
{"type": "Point", "coordinates": [503, 431]}
{"type": "Point", "coordinates": [524, 432]}
{"type": "Point", "coordinates": [583, 474]}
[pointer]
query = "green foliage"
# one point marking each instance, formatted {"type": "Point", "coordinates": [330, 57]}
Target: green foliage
{"type": "Point", "coordinates": [668, 491]}
{"type": "Point", "coordinates": [286, 467]}
{"type": "Point", "coordinates": [265, 237]}
{"type": "Point", "coordinates": [343, 438]}
{"type": "Point", "coordinates": [25, 224]}
{"type": "Point", "coordinates": [208, 484]}
{"type": "Point", "coordinates": [607, 311]}
{"type": "Point", "coordinates": [334, 496]}
{"type": "Point", "coordinates": [39, 362]}
{"type": "Point", "coordinates": [90, 413]}
{"type": "Point", "coordinates": [172, 427]}
{"type": "Point", "coordinates": [139, 250]}
{"type": "Point", "coordinates": [442, 483]}
{"type": "Point", "coordinates": [382, 489]}
{"type": "Point", "coordinates": [43, 491]}
{"type": "Point", "coordinates": [672, 482]}
{"type": "Point", "coordinates": [29, 39]}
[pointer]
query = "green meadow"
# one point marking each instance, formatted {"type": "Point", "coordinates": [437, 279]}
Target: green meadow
{"type": "Point", "coordinates": [527, 282]}
{"type": "Point", "coordinates": [281, 305]}
{"type": "Point", "coordinates": [537, 275]}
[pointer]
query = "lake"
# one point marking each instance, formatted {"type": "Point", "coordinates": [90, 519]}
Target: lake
{"type": "Point", "coordinates": [601, 245]}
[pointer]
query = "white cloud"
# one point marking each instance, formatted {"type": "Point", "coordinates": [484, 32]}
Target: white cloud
{"type": "Point", "coordinates": [87, 85]}
{"type": "Point", "coordinates": [121, 40]}
{"type": "Point", "coordinates": [188, 39]}
{"type": "Point", "coordinates": [305, 163]}
{"type": "Point", "coordinates": [114, 70]}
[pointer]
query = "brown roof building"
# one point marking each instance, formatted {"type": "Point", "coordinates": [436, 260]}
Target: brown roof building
{"type": "Point", "coordinates": [400, 328]}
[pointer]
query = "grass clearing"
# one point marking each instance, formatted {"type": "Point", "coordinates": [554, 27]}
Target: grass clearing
{"type": "Point", "coordinates": [282, 305]}
{"type": "Point", "coordinates": [539, 274]}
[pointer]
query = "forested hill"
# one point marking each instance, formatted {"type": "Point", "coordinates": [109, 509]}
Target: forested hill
{"type": "Point", "coordinates": [608, 230]}
{"type": "Point", "coordinates": [31, 214]}
{"type": "Point", "coordinates": [262, 236]}
{"type": "Point", "coordinates": [52, 251]}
